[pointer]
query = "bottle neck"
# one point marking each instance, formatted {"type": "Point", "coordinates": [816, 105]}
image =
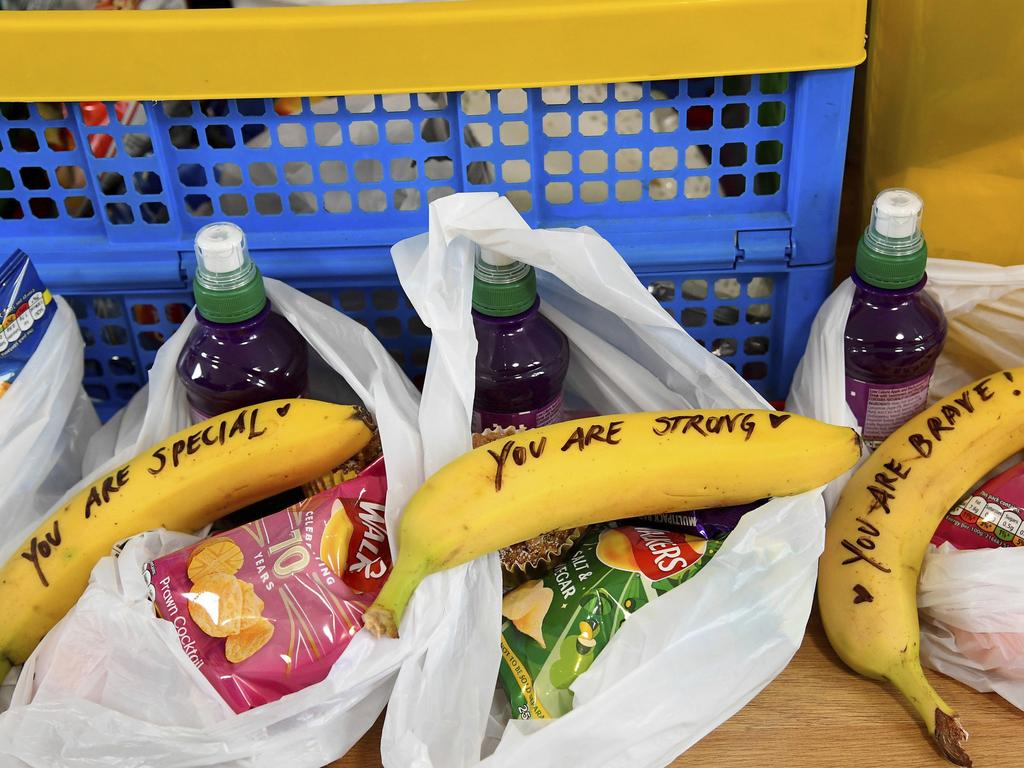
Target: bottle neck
{"type": "Point", "coordinates": [236, 325]}
{"type": "Point", "coordinates": [519, 317]}
{"type": "Point", "coordinates": [887, 295]}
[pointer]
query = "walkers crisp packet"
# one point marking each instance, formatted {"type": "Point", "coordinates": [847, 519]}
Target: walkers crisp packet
{"type": "Point", "coordinates": [266, 609]}
{"type": "Point", "coordinates": [555, 626]}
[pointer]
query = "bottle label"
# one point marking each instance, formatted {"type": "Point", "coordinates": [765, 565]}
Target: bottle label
{"type": "Point", "coordinates": [880, 409]}
{"type": "Point", "coordinates": [539, 417]}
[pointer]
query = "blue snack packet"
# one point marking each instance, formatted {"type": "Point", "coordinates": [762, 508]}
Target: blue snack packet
{"type": "Point", "coordinates": [27, 308]}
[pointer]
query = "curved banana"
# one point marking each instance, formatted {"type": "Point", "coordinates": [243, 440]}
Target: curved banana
{"type": "Point", "coordinates": [604, 468]}
{"type": "Point", "coordinates": [183, 483]}
{"type": "Point", "coordinates": [880, 529]}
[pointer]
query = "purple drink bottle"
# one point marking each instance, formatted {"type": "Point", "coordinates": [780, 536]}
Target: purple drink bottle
{"type": "Point", "coordinates": [240, 353]}
{"type": "Point", "coordinates": [895, 330]}
{"type": "Point", "coordinates": [521, 358]}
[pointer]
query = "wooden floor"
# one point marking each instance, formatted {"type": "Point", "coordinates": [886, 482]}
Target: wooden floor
{"type": "Point", "coordinates": [816, 714]}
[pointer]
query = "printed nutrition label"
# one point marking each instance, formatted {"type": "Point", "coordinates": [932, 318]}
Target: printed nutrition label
{"type": "Point", "coordinates": [882, 408]}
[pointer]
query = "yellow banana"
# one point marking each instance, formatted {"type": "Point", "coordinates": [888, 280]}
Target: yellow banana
{"type": "Point", "coordinates": [182, 483]}
{"type": "Point", "coordinates": [880, 529]}
{"type": "Point", "coordinates": [598, 469]}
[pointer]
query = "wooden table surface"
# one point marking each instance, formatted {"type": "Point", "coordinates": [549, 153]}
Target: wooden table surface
{"type": "Point", "coordinates": [817, 714]}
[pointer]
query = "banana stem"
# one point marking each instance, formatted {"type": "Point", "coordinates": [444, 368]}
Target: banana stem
{"type": "Point", "coordinates": [383, 617]}
{"type": "Point", "coordinates": [950, 736]}
{"type": "Point", "coordinates": [939, 718]}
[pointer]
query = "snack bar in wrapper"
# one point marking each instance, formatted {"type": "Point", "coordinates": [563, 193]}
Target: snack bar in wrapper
{"type": "Point", "coordinates": [27, 309]}
{"type": "Point", "coordinates": [266, 609]}
{"type": "Point", "coordinates": [713, 523]}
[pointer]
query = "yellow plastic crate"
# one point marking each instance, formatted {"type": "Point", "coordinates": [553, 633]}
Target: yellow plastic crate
{"type": "Point", "coordinates": [413, 47]}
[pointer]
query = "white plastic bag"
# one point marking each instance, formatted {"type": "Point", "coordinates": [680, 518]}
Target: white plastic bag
{"type": "Point", "coordinates": [973, 611]}
{"type": "Point", "coordinates": [46, 420]}
{"type": "Point", "coordinates": [972, 616]}
{"type": "Point", "coordinates": [110, 684]}
{"type": "Point", "coordinates": [683, 664]}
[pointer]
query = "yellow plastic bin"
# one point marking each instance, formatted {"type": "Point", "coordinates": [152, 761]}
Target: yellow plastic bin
{"type": "Point", "coordinates": [453, 45]}
{"type": "Point", "coordinates": [944, 116]}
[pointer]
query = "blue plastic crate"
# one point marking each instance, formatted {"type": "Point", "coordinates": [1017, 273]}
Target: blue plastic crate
{"type": "Point", "coordinates": [722, 193]}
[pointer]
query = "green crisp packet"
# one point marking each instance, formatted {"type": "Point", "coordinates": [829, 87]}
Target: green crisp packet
{"type": "Point", "coordinates": [555, 627]}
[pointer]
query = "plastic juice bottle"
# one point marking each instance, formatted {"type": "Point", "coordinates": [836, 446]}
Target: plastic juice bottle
{"type": "Point", "coordinates": [521, 358]}
{"type": "Point", "coordinates": [240, 352]}
{"type": "Point", "coordinates": [895, 330]}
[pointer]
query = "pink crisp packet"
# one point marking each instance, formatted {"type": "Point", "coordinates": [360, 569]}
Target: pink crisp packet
{"type": "Point", "coordinates": [280, 613]}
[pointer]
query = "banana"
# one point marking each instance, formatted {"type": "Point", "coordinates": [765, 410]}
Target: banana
{"type": "Point", "coordinates": [182, 483]}
{"type": "Point", "coordinates": [598, 469]}
{"type": "Point", "coordinates": [880, 529]}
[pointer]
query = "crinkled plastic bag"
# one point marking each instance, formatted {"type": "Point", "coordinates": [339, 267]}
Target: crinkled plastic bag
{"type": "Point", "coordinates": [972, 618]}
{"type": "Point", "coordinates": [973, 609]}
{"type": "Point", "coordinates": [727, 633]}
{"type": "Point", "coordinates": [111, 685]}
{"type": "Point", "coordinates": [46, 421]}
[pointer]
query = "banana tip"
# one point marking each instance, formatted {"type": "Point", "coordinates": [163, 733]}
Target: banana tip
{"type": "Point", "coordinates": [857, 441]}
{"type": "Point", "coordinates": [380, 621]}
{"type": "Point", "coordinates": [950, 736]}
{"type": "Point", "coordinates": [365, 416]}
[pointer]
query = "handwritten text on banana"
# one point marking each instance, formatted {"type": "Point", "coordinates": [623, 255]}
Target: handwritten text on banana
{"type": "Point", "coordinates": [582, 437]}
{"type": "Point", "coordinates": [885, 485]}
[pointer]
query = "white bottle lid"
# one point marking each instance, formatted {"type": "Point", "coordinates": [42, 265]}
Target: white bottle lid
{"type": "Point", "coordinates": [495, 259]}
{"type": "Point", "coordinates": [221, 248]}
{"type": "Point", "coordinates": [897, 213]}
{"type": "Point", "coordinates": [496, 269]}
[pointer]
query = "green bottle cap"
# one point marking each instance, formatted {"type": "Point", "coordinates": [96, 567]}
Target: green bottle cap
{"type": "Point", "coordinates": [228, 286]}
{"type": "Point", "coordinates": [502, 286]}
{"type": "Point", "coordinates": [892, 254]}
